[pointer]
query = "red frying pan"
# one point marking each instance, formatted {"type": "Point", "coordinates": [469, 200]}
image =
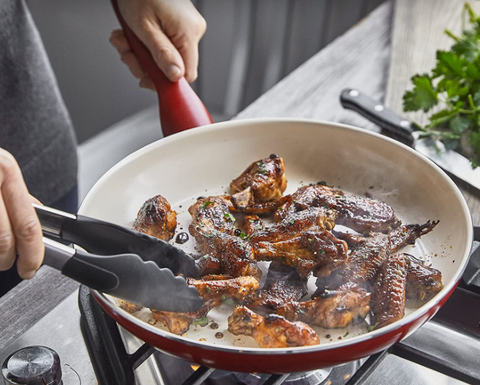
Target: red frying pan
{"type": "Point", "coordinates": [204, 161]}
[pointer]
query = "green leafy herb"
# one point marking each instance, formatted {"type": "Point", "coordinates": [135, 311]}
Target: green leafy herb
{"type": "Point", "coordinates": [245, 237]}
{"type": "Point", "coordinates": [204, 206]}
{"type": "Point", "coordinates": [229, 301]}
{"type": "Point", "coordinates": [372, 327]}
{"type": "Point", "coordinates": [201, 321]}
{"type": "Point", "coordinates": [450, 93]}
{"type": "Point", "coordinates": [229, 217]}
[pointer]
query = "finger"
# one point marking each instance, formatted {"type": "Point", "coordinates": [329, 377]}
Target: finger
{"type": "Point", "coordinates": [163, 51]}
{"type": "Point", "coordinates": [35, 200]}
{"type": "Point", "coordinates": [147, 82]}
{"type": "Point", "coordinates": [23, 219]}
{"type": "Point", "coordinates": [120, 42]}
{"type": "Point", "coordinates": [189, 53]}
{"type": "Point", "coordinates": [7, 239]}
{"type": "Point", "coordinates": [131, 61]}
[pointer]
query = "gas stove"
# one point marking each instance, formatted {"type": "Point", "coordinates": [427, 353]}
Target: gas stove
{"type": "Point", "coordinates": [94, 349]}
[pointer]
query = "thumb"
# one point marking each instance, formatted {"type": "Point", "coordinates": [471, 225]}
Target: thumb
{"type": "Point", "coordinates": [163, 52]}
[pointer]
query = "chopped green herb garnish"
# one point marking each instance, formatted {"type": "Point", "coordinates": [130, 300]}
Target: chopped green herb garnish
{"type": "Point", "coordinates": [229, 217]}
{"type": "Point", "coordinates": [206, 204]}
{"type": "Point", "coordinates": [245, 237]}
{"type": "Point", "coordinates": [371, 327]}
{"type": "Point", "coordinates": [229, 302]}
{"type": "Point", "coordinates": [201, 321]}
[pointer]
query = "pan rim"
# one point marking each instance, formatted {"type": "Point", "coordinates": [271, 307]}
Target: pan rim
{"type": "Point", "coordinates": [410, 318]}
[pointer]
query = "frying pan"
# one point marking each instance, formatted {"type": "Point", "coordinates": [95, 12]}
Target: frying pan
{"type": "Point", "coordinates": [203, 161]}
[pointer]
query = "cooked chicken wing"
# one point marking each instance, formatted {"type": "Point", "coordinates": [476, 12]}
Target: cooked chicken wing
{"type": "Point", "coordinates": [214, 293]}
{"type": "Point", "coordinates": [313, 217]}
{"type": "Point", "coordinates": [262, 181]}
{"type": "Point", "coordinates": [388, 299]}
{"type": "Point", "coordinates": [156, 218]}
{"type": "Point", "coordinates": [368, 253]}
{"type": "Point", "coordinates": [283, 285]}
{"type": "Point", "coordinates": [253, 224]}
{"type": "Point", "coordinates": [272, 331]}
{"type": "Point", "coordinates": [313, 250]}
{"type": "Point", "coordinates": [213, 228]}
{"type": "Point", "coordinates": [335, 309]}
{"type": "Point", "coordinates": [423, 282]}
{"type": "Point", "coordinates": [361, 214]}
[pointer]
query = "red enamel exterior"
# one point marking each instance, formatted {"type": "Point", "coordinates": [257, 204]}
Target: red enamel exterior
{"type": "Point", "coordinates": [276, 361]}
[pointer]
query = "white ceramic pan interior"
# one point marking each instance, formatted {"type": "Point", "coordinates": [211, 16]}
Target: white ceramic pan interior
{"type": "Point", "coordinates": [203, 162]}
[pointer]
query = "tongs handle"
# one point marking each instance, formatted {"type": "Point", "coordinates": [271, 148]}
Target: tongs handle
{"type": "Point", "coordinates": [85, 268]}
{"type": "Point", "coordinates": [125, 276]}
{"type": "Point", "coordinates": [93, 235]}
{"type": "Point", "coordinates": [106, 238]}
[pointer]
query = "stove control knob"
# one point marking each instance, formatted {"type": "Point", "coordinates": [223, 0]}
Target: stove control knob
{"type": "Point", "coordinates": [33, 365]}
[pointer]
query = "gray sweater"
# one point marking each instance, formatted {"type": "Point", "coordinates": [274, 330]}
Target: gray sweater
{"type": "Point", "coordinates": [34, 123]}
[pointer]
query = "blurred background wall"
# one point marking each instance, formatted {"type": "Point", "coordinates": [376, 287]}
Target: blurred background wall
{"type": "Point", "coordinates": [248, 47]}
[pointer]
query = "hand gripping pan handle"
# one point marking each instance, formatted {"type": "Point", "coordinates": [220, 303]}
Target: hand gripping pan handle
{"type": "Point", "coordinates": [125, 276]}
{"type": "Point", "coordinates": [180, 107]}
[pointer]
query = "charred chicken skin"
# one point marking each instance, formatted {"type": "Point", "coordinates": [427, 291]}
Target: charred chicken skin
{"type": "Point", "coordinates": [156, 218]}
{"type": "Point", "coordinates": [388, 299]}
{"type": "Point", "coordinates": [302, 241]}
{"type": "Point", "coordinates": [283, 285]}
{"type": "Point", "coordinates": [214, 293]}
{"type": "Point", "coordinates": [253, 224]}
{"type": "Point", "coordinates": [213, 228]}
{"type": "Point", "coordinates": [262, 181]}
{"type": "Point", "coordinates": [363, 215]}
{"type": "Point", "coordinates": [272, 331]}
{"type": "Point", "coordinates": [368, 253]}
{"type": "Point", "coordinates": [423, 282]}
{"type": "Point", "coordinates": [314, 251]}
{"type": "Point", "coordinates": [335, 309]}
{"type": "Point", "coordinates": [317, 218]}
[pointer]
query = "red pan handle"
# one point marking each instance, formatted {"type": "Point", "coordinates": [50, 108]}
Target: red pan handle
{"type": "Point", "coordinates": [180, 107]}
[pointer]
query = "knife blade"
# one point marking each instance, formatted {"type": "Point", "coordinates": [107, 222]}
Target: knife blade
{"type": "Point", "coordinates": [403, 130]}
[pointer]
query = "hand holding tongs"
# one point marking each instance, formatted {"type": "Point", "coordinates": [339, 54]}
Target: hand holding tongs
{"type": "Point", "coordinates": [130, 265]}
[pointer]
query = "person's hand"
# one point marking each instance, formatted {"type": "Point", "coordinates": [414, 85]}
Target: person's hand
{"type": "Point", "coordinates": [170, 29]}
{"type": "Point", "coordinates": [20, 230]}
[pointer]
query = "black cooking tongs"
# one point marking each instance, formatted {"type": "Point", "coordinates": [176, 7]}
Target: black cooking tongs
{"type": "Point", "coordinates": [119, 261]}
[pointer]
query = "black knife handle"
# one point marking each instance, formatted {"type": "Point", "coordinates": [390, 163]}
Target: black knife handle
{"type": "Point", "coordinates": [88, 269]}
{"type": "Point", "coordinates": [396, 127]}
